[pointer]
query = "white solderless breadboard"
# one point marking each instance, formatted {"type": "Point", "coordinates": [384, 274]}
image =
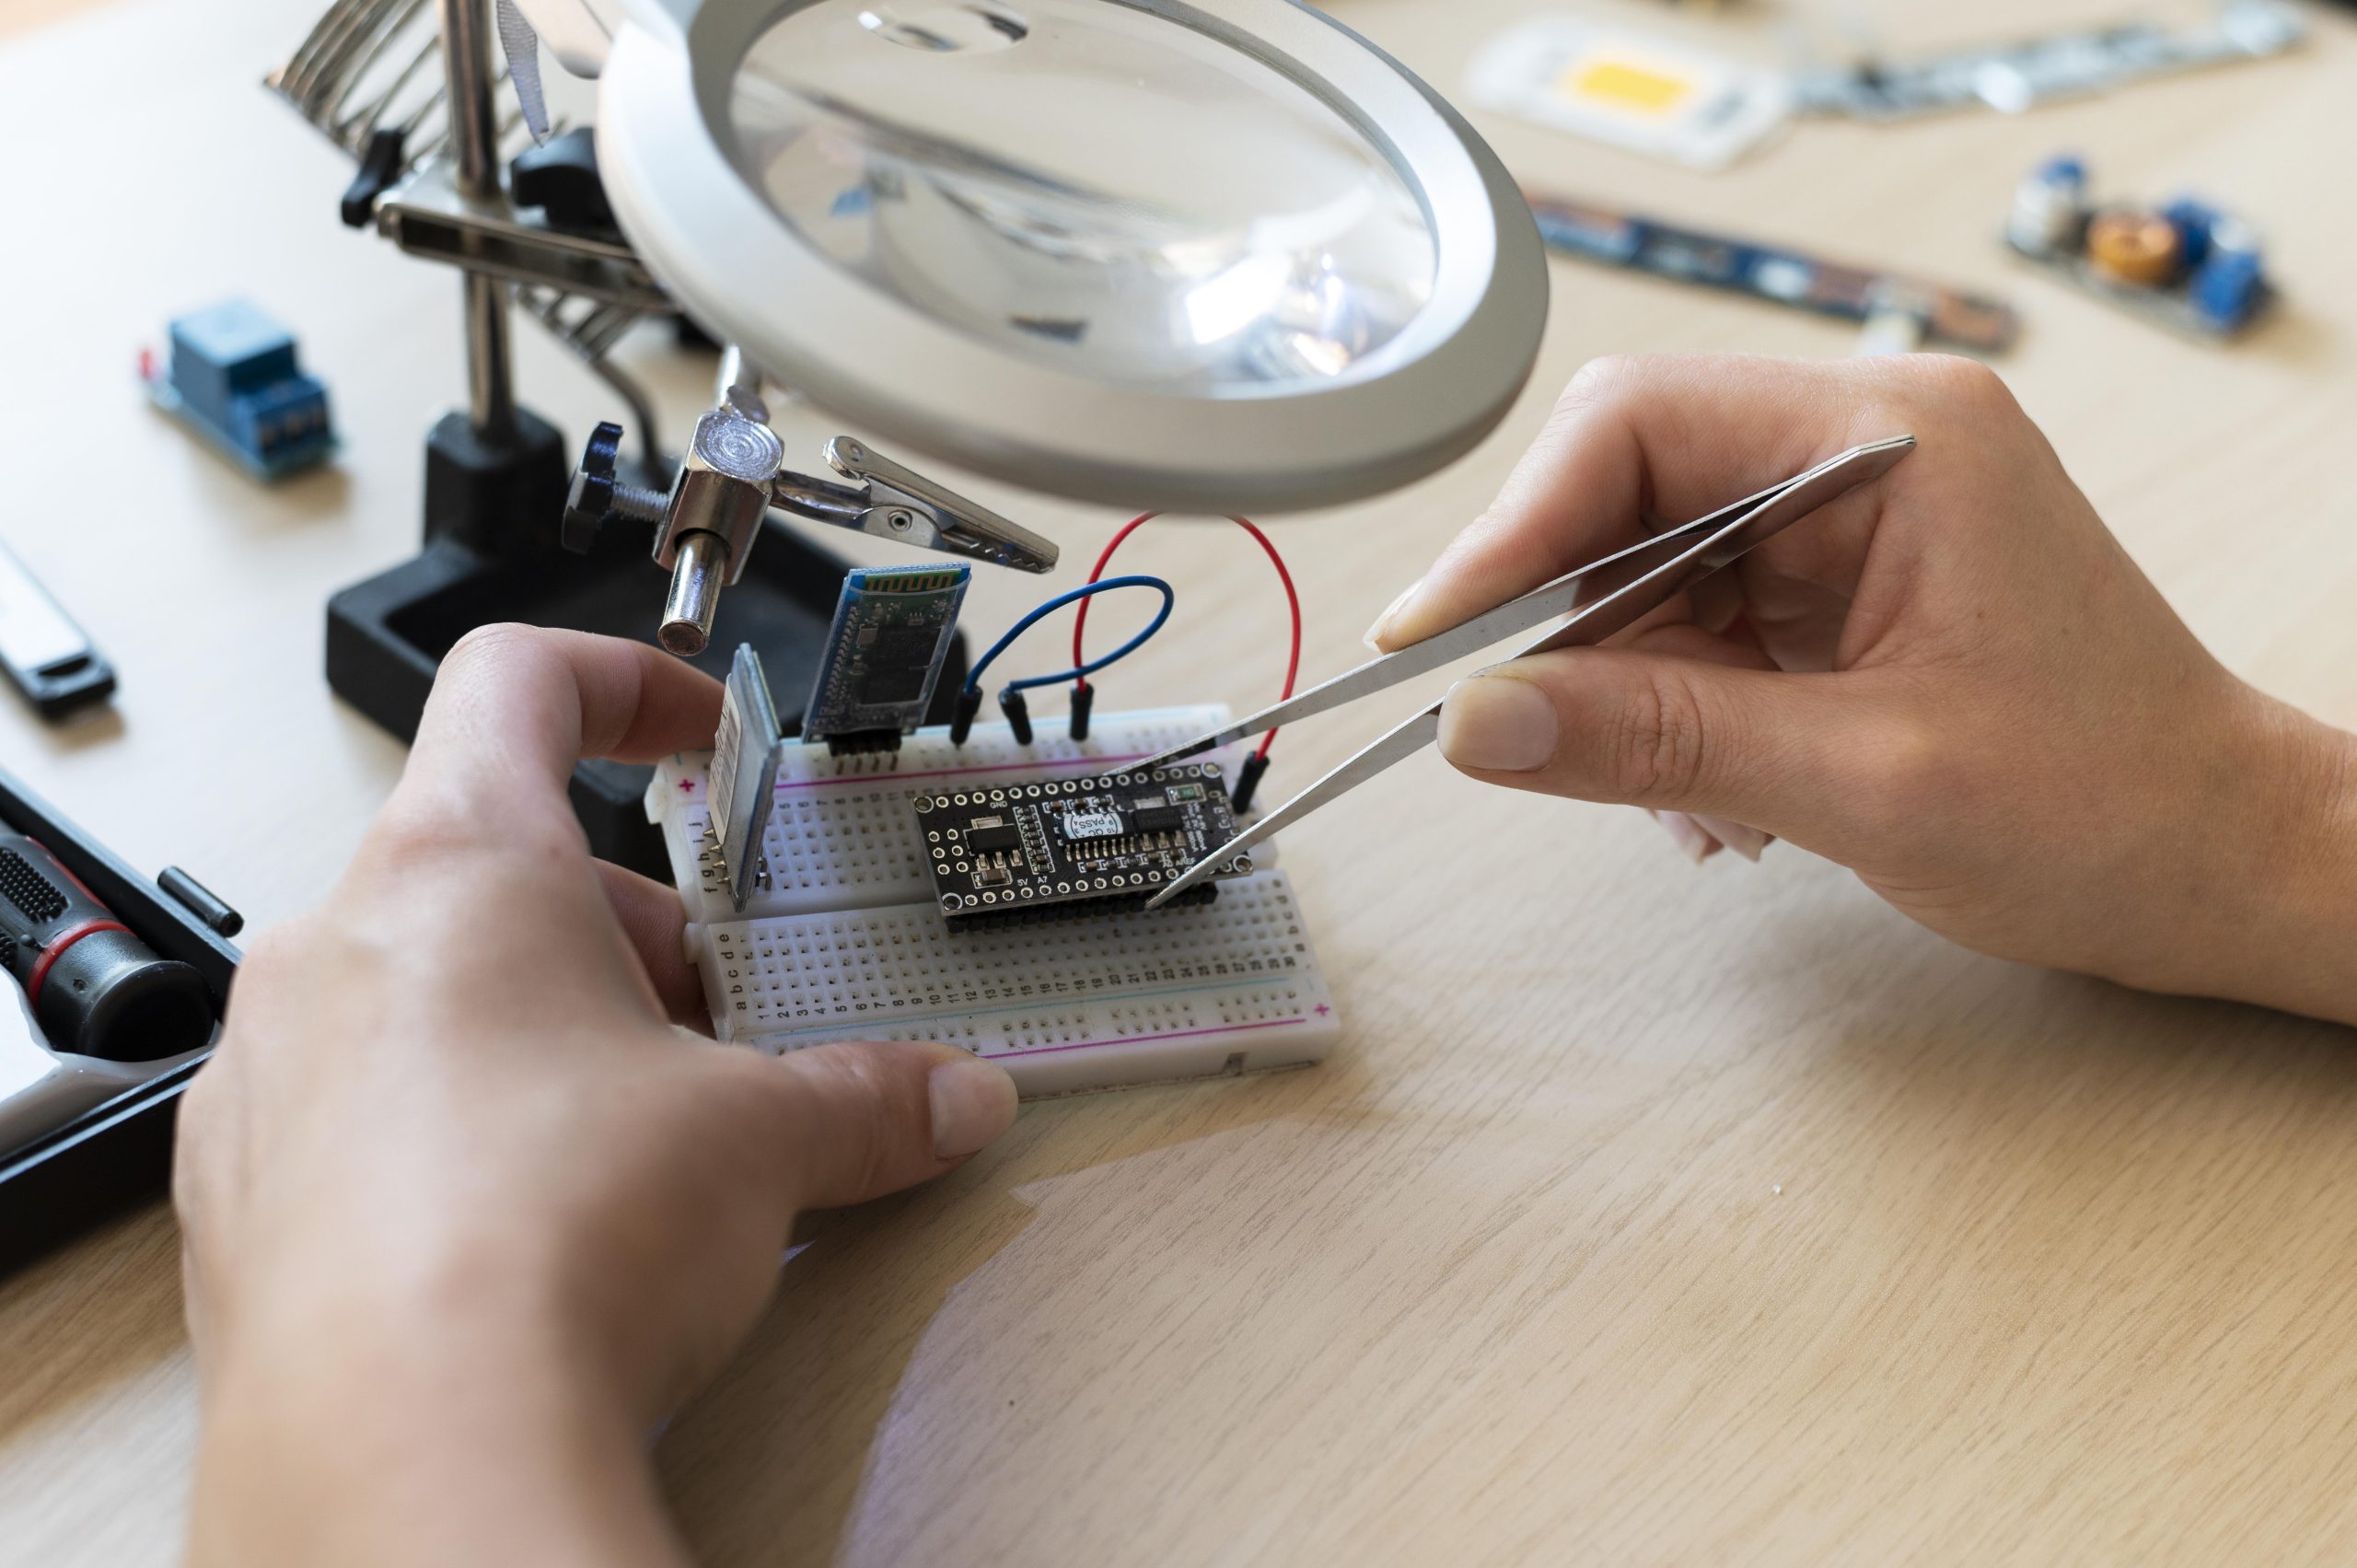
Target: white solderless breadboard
{"type": "Point", "coordinates": [843, 834]}
{"type": "Point", "coordinates": [1229, 987]}
{"type": "Point", "coordinates": [845, 941]}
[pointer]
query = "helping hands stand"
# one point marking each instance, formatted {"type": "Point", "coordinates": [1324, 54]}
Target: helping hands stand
{"type": "Point", "coordinates": [496, 478]}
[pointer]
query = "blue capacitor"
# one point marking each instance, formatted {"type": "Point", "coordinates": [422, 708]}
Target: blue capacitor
{"type": "Point", "coordinates": [2228, 288]}
{"type": "Point", "coordinates": [2193, 220]}
{"type": "Point", "coordinates": [2064, 168]}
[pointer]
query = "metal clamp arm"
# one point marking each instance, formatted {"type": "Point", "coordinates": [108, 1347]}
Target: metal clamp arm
{"type": "Point", "coordinates": [822, 501]}
{"type": "Point", "coordinates": [706, 526]}
{"type": "Point", "coordinates": [903, 504]}
{"type": "Point", "coordinates": [907, 508]}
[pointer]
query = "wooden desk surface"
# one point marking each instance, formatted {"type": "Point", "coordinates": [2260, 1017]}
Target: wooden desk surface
{"type": "Point", "coordinates": [1646, 1214]}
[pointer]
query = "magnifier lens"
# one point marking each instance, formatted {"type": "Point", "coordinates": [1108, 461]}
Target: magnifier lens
{"type": "Point", "coordinates": [1088, 185]}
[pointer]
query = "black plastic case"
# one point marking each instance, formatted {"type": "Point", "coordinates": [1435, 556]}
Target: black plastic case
{"type": "Point", "coordinates": [117, 1155]}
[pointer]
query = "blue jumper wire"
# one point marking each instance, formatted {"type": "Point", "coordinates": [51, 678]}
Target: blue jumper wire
{"type": "Point", "coordinates": [974, 675]}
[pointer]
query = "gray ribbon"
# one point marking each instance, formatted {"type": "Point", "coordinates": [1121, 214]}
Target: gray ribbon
{"type": "Point", "coordinates": [522, 47]}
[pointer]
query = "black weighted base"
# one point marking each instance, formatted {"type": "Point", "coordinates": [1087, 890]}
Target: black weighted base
{"type": "Point", "coordinates": [504, 497]}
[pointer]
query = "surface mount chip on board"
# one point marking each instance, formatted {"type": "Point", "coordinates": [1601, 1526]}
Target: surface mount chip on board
{"type": "Point", "coordinates": [1066, 846]}
{"type": "Point", "coordinates": [746, 754]}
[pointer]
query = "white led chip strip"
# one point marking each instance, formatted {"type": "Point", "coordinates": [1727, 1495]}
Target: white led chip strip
{"type": "Point", "coordinates": [845, 942]}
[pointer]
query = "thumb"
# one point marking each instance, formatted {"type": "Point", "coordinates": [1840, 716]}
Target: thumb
{"type": "Point", "coordinates": [1788, 753]}
{"type": "Point", "coordinates": [866, 1119]}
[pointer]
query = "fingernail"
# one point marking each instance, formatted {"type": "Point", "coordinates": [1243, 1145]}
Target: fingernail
{"type": "Point", "coordinates": [1383, 620]}
{"type": "Point", "coordinates": [1692, 840]}
{"type": "Point", "coordinates": [1497, 722]}
{"type": "Point", "coordinates": [973, 1102]}
{"type": "Point", "coordinates": [1746, 841]}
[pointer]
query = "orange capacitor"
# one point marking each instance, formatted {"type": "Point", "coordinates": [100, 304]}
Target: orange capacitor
{"type": "Point", "coordinates": [2138, 247]}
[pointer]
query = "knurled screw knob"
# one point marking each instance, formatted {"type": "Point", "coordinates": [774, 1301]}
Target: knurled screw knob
{"type": "Point", "coordinates": [596, 497]}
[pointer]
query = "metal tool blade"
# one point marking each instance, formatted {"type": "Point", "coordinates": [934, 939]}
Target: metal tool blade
{"type": "Point", "coordinates": [1403, 741]}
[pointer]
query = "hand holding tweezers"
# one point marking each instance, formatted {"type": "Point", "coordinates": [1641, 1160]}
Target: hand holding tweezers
{"type": "Point", "coordinates": [1600, 599]}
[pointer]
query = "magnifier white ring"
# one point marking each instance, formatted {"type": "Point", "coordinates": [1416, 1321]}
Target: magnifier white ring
{"type": "Point", "coordinates": [1416, 398]}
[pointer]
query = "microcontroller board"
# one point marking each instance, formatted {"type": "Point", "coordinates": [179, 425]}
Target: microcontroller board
{"type": "Point", "coordinates": [883, 655]}
{"type": "Point", "coordinates": [1060, 846]}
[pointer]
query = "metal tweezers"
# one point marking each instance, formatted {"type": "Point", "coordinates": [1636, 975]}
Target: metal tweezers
{"type": "Point", "coordinates": [1598, 599]}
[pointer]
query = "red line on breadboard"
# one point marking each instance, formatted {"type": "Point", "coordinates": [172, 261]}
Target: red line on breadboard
{"type": "Point", "coordinates": [783, 785]}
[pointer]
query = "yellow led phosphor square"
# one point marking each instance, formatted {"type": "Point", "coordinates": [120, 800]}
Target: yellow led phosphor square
{"type": "Point", "coordinates": [1631, 86]}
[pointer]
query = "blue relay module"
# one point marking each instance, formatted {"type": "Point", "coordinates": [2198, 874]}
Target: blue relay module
{"type": "Point", "coordinates": [232, 378]}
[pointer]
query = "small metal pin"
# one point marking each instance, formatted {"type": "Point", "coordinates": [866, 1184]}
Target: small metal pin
{"type": "Point", "coordinates": [697, 572]}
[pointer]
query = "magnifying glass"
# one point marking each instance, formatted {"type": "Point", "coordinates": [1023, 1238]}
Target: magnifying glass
{"type": "Point", "coordinates": [1219, 256]}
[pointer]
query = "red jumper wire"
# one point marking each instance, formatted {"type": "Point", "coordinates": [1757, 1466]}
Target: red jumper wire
{"type": "Point", "coordinates": [1293, 605]}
